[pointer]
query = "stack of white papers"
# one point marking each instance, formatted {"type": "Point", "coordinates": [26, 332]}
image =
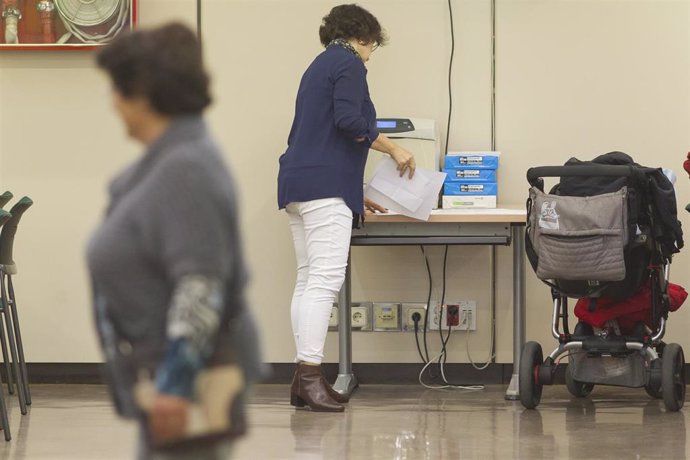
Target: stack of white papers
{"type": "Point", "coordinates": [414, 197]}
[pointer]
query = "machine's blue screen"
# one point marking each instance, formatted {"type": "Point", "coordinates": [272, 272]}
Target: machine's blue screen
{"type": "Point", "coordinates": [386, 124]}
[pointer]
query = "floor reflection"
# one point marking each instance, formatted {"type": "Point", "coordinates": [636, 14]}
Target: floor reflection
{"type": "Point", "coordinates": [408, 422]}
{"type": "Point", "coordinates": [381, 422]}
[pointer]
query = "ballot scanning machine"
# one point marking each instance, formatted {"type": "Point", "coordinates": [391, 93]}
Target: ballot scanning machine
{"type": "Point", "coordinates": [417, 135]}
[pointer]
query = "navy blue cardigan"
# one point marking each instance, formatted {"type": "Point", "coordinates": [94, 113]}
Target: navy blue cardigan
{"type": "Point", "coordinates": [333, 128]}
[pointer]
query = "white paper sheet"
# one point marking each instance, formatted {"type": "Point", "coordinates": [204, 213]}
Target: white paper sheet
{"type": "Point", "coordinates": [411, 197]}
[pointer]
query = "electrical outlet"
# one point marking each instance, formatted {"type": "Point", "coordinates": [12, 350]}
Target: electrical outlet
{"type": "Point", "coordinates": [408, 311]}
{"type": "Point", "coordinates": [452, 315]}
{"type": "Point", "coordinates": [460, 316]}
{"type": "Point", "coordinates": [435, 320]}
{"type": "Point", "coordinates": [361, 316]}
{"type": "Point", "coordinates": [333, 321]}
{"type": "Point", "coordinates": [468, 315]}
{"type": "Point", "coordinates": [386, 316]}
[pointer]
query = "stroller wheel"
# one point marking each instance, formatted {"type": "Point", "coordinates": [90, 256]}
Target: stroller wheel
{"type": "Point", "coordinates": [673, 377]}
{"type": "Point", "coordinates": [654, 391]}
{"type": "Point", "coordinates": [530, 388]}
{"type": "Point", "coordinates": [575, 387]}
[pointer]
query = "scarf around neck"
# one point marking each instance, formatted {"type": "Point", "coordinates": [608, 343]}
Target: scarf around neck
{"type": "Point", "coordinates": [345, 44]}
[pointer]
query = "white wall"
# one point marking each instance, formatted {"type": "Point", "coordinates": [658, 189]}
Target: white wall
{"type": "Point", "coordinates": [574, 78]}
{"type": "Point", "coordinates": [588, 77]}
{"type": "Point", "coordinates": [60, 143]}
{"type": "Point", "coordinates": [256, 87]}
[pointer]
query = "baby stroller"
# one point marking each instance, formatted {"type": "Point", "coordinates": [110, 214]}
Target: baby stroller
{"type": "Point", "coordinates": [605, 232]}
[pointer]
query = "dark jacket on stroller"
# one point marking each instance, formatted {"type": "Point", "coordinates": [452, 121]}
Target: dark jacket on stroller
{"type": "Point", "coordinates": [605, 234]}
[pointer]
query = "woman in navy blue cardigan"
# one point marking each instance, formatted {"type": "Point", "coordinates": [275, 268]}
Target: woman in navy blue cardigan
{"type": "Point", "coordinates": [320, 185]}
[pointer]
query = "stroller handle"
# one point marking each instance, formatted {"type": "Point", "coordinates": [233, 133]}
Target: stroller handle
{"type": "Point", "coordinates": [535, 174]}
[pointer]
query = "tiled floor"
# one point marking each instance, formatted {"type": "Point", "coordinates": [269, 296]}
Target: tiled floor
{"type": "Point", "coordinates": [381, 422]}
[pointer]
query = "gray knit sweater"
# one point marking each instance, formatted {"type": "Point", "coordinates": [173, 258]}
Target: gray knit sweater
{"type": "Point", "coordinates": [171, 214]}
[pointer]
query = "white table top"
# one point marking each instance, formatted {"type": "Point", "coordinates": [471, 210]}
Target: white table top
{"type": "Point", "coordinates": [512, 214]}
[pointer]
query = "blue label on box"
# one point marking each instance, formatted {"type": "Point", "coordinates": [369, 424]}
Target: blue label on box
{"type": "Point", "coordinates": [470, 175]}
{"type": "Point", "coordinates": [470, 188]}
{"type": "Point", "coordinates": [470, 161]}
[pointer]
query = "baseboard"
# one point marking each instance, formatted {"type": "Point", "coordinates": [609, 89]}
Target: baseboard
{"type": "Point", "coordinates": [281, 373]}
{"type": "Point", "coordinates": [405, 373]}
{"type": "Point", "coordinates": [79, 373]}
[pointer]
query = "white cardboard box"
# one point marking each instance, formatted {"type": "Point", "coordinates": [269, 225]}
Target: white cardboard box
{"type": "Point", "coordinates": [468, 202]}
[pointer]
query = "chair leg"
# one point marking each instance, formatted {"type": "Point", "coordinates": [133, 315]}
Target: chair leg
{"type": "Point", "coordinates": [6, 355]}
{"type": "Point", "coordinates": [20, 345]}
{"type": "Point", "coordinates": [19, 378]}
{"type": "Point", "coordinates": [4, 420]}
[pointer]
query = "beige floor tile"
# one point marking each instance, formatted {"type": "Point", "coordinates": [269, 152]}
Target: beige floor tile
{"type": "Point", "coordinates": [381, 422]}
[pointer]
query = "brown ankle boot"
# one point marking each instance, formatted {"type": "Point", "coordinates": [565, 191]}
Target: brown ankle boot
{"type": "Point", "coordinates": [309, 388]}
{"type": "Point", "coordinates": [337, 397]}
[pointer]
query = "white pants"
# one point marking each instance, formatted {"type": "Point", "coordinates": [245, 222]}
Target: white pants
{"type": "Point", "coordinates": [321, 231]}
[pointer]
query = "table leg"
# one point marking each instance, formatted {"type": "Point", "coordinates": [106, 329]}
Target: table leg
{"type": "Point", "coordinates": [346, 381]}
{"type": "Point", "coordinates": [518, 241]}
{"type": "Point", "coordinates": [493, 303]}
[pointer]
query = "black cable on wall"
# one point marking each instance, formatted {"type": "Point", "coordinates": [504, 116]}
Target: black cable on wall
{"type": "Point", "coordinates": [493, 75]}
{"type": "Point", "coordinates": [450, 75]}
{"type": "Point", "coordinates": [198, 20]}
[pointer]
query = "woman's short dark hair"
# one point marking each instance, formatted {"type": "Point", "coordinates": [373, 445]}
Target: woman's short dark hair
{"type": "Point", "coordinates": [351, 21]}
{"type": "Point", "coordinates": [163, 65]}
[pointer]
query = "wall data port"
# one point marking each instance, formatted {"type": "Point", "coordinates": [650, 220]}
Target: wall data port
{"type": "Point", "coordinates": [386, 316]}
{"type": "Point", "coordinates": [468, 316]}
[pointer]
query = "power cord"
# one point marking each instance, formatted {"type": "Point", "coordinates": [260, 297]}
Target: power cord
{"type": "Point", "coordinates": [428, 306]}
{"type": "Point", "coordinates": [425, 358]}
{"type": "Point", "coordinates": [450, 74]}
{"type": "Point", "coordinates": [447, 385]}
{"type": "Point", "coordinates": [492, 351]}
{"type": "Point", "coordinates": [441, 359]}
{"type": "Point", "coordinates": [444, 340]}
{"type": "Point", "coordinates": [416, 317]}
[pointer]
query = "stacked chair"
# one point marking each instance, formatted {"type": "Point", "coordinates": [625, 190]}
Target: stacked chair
{"type": "Point", "coordinates": [10, 335]}
{"type": "Point", "coordinates": [5, 198]}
